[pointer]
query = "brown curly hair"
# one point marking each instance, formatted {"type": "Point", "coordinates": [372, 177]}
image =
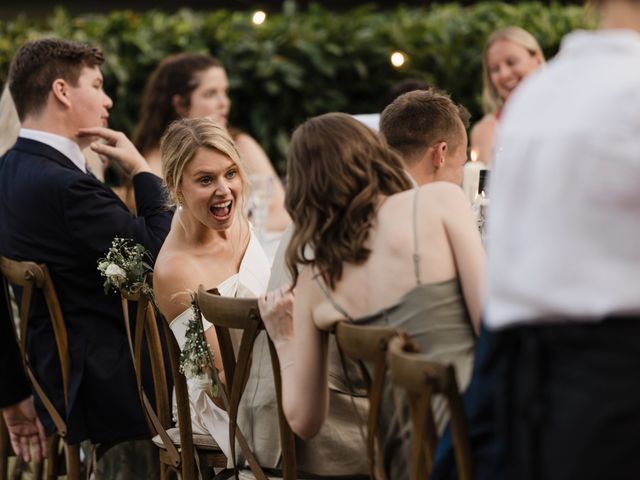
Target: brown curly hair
{"type": "Point", "coordinates": [337, 171]}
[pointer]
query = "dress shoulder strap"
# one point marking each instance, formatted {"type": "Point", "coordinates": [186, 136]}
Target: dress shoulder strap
{"type": "Point", "coordinates": [416, 255]}
{"type": "Point", "coordinates": [335, 304]}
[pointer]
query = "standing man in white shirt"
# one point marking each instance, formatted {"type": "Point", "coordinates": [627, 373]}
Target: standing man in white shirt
{"type": "Point", "coordinates": [564, 258]}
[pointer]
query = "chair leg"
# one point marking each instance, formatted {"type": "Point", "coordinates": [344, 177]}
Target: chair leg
{"type": "Point", "coordinates": [166, 473]}
{"type": "Point", "coordinates": [72, 457]}
{"type": "Point", "coordinates": [53, 459]}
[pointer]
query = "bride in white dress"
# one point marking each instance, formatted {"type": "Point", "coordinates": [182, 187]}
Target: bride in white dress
{"type": "Point", "coordinates": [210, 243]}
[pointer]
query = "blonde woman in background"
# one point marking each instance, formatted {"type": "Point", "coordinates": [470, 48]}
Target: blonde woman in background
{"type": "Point", "coordinates": [509, 56]}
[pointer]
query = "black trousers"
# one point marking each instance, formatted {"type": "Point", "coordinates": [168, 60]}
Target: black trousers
{"type": "Point", "coordinates": [569, 400]}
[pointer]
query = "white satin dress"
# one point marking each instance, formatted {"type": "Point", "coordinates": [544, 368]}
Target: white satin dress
{"type": "Point", "coordinates": [251, 281]}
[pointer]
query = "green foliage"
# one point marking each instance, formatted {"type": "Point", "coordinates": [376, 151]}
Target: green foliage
{"type": "Point", "coordinates": [300, 64]}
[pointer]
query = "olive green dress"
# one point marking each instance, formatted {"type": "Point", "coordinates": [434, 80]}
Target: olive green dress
{"type": "Point", "coordinates": [435, 317]}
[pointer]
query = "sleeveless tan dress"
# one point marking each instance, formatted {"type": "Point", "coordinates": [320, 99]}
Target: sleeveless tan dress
{"type": "Point", "coordinates": [435, 317]}
{"type": "Point", "coordinates": [339, 448]}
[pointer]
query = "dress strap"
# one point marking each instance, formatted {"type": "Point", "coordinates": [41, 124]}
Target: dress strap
{"type": "Point", "coordinates": [335, 304]}
{"type": "Point", "coordinates": [416, 255]}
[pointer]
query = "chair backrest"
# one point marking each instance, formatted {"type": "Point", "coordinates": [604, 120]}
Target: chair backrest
{"type": "Point", "coordinates": [31, 276]}
{"type": "Point", "coordinates": [159, 418]}
{"type": "Point", "coordinates": [242, 314]}
{"type": "Point", "coordinates": [368, 344]}
{"type": "Point", "coordinates": [422, 379]}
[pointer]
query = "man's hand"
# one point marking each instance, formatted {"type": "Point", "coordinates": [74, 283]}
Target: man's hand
{"type": "Point", "coordinates": [117, 147]}
{"type": "Point", "coordinates": [25, 430]}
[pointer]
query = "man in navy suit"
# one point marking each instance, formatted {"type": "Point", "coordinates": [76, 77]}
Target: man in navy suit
{"type": "Point", "coordinates": [52, 210]}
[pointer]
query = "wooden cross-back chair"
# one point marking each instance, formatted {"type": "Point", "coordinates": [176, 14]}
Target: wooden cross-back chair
{"type": "Point", "coordinates": [31, 276]}
{"type": "Point", "coordinates": [229, 314]}
{"type": "Point", "coordinates": [367, 344]}
{"type": "Point", "coordinates": [242, 314]}
{"type": "Point", "coordinates": [190, 456]}
{"type": "Point", "coordinates": [422, 379]}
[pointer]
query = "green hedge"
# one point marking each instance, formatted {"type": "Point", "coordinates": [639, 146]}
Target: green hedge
{"type": "Point", "coordinates": [299, 64]}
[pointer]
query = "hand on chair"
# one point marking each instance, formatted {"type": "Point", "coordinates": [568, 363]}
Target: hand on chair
{"type": "Point", "coordinates": [25, 430]}
{"type": "Point", "coordinates": [276, 309]}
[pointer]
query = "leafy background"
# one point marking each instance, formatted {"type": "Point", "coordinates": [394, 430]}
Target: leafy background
{"type": "Point", "coordinates": [299, 63]}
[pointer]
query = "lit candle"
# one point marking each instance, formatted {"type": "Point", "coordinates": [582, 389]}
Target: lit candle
{"type": "Point", "coordinates": [471, 178]}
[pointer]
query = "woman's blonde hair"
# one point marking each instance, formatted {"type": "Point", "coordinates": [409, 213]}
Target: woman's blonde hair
{"type": "Point", "coordinates": [338, 169]}
{"type": "Point", "coordinates": [9, 121]}
{"type": "Point", "coordinates": [491, 100]}
{"type": "Point", "coordinates": [181, 142]}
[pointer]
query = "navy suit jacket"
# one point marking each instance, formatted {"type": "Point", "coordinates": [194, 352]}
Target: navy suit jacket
{"type": "Point", "coordinates": [52, 212]}
{"type": "Point", "coordinates": [13, 382]}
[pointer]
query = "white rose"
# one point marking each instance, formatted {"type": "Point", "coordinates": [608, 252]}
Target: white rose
{"type": "Point", "coordinates": [115, 274]}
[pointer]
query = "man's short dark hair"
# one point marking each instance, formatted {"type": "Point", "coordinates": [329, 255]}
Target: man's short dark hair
{"type": "Point", "coordinates": [419, 119]}
{"type": "Point", "coordinates": [38, 63]}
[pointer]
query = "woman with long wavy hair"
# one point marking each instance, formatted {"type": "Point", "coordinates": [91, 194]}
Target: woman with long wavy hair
{"type": "Point", "coordinates": [195, 85]}
{"type": "Point", "coordinates": [368, 249]}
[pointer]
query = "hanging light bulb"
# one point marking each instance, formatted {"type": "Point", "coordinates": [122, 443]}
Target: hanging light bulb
{"type": "Point", "coordinates": [258, 17]}
{"type": "Point", "coordinates": [398, 59]}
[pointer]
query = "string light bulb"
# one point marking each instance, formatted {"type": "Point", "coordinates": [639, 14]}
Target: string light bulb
{"type": "Point", "coordinates": [398, 59]}
{"type": "Point", "coordinates": [258, 17]}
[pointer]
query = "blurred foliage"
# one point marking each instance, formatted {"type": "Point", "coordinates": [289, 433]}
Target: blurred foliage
{"type": "Point", "coordinates": [300, 64]}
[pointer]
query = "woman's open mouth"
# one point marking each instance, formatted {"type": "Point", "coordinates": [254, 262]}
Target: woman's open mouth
{"type": "Point", "coordinates": [221, 211]}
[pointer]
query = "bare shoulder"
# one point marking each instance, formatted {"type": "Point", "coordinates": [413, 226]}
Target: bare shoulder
{"type": "Point", "coordinates": [484, 128]}
{"type": "Point", "coordinates": [173, 282]}
{"type": "Point", "coordinates": [251, 152]}
{"type": "Point", "coordinates": [443, 196]}
{"type": "Point", "coordinates": [154, 160]}
{"type": "Point", "coordinates": [248, 146]}
{"type": "Point", "coordinates": [170, 267]}
{"type": "Point", "coordinates": [244, 140]}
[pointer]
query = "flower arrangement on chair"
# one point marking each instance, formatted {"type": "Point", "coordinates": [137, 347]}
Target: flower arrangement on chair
{"type": "Point", "coordinates": [126, 268]}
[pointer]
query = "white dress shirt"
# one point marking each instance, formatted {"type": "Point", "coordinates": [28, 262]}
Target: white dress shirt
{"type": "Point", "coordinates": [67, 147]}
{"type": "Point", "coordinates": [564, 223]}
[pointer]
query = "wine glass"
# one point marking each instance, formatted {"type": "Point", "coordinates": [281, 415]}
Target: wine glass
{"type": "Point", "coordinates": [259, 201]}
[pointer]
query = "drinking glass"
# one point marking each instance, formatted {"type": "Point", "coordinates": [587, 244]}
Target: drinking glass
{"type": "Point", "coordinates": [259, 201]}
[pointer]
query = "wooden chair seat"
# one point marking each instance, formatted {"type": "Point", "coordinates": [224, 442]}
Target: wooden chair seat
{"type": "Point", "coordinates": [204, 442]}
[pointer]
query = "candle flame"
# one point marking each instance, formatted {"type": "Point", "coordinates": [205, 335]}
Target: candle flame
{"type": "Point", "coordinates": [474, 155]}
